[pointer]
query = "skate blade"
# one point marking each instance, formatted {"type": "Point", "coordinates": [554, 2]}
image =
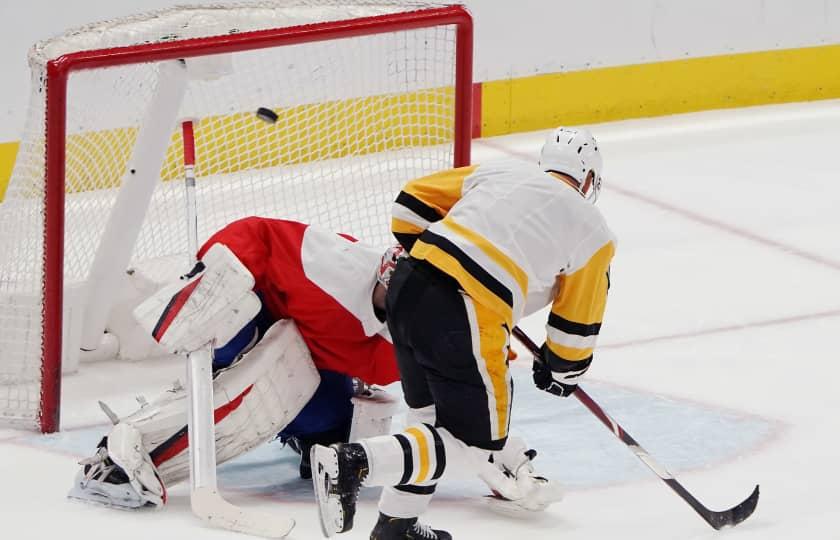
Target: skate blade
{"type": "Point", "coordinates": [324, 464]}
{"type": "Point", "coordinates": [93, 498]}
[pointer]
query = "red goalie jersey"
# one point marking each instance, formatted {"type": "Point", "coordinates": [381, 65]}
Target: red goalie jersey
{"type": "Point", "coordinates": [324, 282]}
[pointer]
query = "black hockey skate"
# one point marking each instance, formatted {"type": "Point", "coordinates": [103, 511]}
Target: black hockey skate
{"type": "Point", "coordinates": [302, 449]}
{"type": "Point", "coordinates": [302, 445]}
{"type": "Point", "coordinates": [338, 471]}
{"type": "Point", "coordinates": [391, 528]}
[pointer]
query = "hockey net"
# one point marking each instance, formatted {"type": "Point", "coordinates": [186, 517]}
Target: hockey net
{"type": "Point", "coordinates": [368, 94]}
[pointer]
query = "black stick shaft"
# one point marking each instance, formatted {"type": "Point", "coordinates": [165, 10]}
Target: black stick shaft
{"type": "Point", "coordinates": [715, 519]}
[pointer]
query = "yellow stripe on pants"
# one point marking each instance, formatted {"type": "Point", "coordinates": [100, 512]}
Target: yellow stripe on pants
{"type": "Point", "coordinates": [491, 342]}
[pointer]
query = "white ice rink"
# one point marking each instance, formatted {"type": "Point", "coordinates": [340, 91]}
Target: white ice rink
{"type": "Point", "coordinates": [718, 354]}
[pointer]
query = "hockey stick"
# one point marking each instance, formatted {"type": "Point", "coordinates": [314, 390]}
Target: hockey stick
{"type": "Point", "coordinates": [205, 501]}
{"type": "Point", "coordinates": [717, 520]}
{"type": "Point", "coordinates": [188, 137]}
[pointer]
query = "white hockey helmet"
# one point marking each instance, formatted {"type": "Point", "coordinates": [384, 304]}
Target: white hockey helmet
{"type": "Point", "coordinates": [574, 152]}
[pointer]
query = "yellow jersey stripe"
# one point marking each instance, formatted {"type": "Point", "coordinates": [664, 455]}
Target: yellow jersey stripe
{"type": "Point", "coordinates": [583, 294]}
{"type": "Point", "coordinates": [451, 266]}
{"type": "Point", "coordinates": [572, 354]}
{"type": "Point", "coordinates": [440, 190]}
{"type": "Point", "coordinates": [494, 253]}
{"type": "Point", "coordinates": [398, 226]}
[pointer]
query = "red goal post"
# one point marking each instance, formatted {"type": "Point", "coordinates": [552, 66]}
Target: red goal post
{"type": "Point", "coordinates": [60, 69]}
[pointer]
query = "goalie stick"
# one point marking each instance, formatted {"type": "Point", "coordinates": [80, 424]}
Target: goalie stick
{"type": "Point", "coordinates": [717, 520]}
{"type": "Point", "coordinates": [205, 501]}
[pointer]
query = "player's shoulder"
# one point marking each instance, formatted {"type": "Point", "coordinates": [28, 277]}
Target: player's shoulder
{"type": "Point", "coordinates": [510, 166]}
{"type": "Point", "coordinates": [591, 214]}
{"type": "Point", "coordinates": [595, 234]}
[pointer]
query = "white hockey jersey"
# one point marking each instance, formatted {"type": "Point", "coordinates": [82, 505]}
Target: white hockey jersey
{"type": "Point", "coordinates": [516, 239]}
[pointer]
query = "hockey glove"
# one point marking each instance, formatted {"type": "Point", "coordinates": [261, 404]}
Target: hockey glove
{"type": "Point", "coordinates": [556, 375]}
{"type": "Point", "coordinates": [390, 258]}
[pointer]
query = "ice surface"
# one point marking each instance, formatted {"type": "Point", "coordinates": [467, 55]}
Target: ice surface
{"type": "Point", "coordinates": [717, 353]}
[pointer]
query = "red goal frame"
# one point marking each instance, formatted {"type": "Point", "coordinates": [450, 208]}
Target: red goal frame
{"type": "Point", "coordinates": [59, 69]}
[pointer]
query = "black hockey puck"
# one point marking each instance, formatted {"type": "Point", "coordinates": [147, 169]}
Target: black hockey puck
{"type": "Point", "coordinates": [266, 115]}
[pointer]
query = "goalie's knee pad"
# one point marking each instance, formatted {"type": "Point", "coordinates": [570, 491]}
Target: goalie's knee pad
{"type": "Point", "coordinates": [254, 399]}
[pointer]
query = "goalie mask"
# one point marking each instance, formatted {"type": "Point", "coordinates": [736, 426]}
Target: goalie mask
{"type": "Point", "coordinates": [574, 152]}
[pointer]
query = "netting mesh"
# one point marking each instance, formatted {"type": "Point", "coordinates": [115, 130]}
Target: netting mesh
{"type": "Point", "coordinates": [357, 117]}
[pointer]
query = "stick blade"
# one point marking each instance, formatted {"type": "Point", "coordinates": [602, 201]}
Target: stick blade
{"type": "Point", "coordinates": [212, 508]}
{"type": "Point", "coordinates": [736, 514]}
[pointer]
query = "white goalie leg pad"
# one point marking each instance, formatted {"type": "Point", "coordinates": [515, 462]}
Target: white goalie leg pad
{"type": "Point", "coordinates": [212, 306]}
{"type": "Point", "coordinates": [256, 398]}
{"type": "Point", "coordinates": [373, 410]}
{"type": "Point", "coordinates": [517, 487]}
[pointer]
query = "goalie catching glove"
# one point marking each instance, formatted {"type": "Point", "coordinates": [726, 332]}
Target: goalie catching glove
{"type": "Point", "coordinates": [556, 375]}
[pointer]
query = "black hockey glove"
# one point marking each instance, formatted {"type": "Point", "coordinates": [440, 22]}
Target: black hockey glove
{"type": "Point", "coordinates": [556, 375]}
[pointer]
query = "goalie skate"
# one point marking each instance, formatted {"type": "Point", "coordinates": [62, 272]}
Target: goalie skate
{"type": "Point", "coordinates": [102, 482]}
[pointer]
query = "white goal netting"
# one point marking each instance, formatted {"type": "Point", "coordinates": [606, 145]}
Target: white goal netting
{"type": "Point", "coordinates": [357, 117]}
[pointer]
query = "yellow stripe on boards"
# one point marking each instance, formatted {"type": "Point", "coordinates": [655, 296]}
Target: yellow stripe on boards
{"type": "Point", "coordinates": [507, 106]}
{"type": "Point", "coordinates": [659, 88]}
{"type": "Point", "coordinates": [423, 452]}
{"type": "Point", "coordinates": [491, 251]}
{"type": "Point", "coordinates": [8, 153]}
{"type": "Point", "coordinates": [321, 131]}
{"type": "Point", "coordinates": [240, 141]}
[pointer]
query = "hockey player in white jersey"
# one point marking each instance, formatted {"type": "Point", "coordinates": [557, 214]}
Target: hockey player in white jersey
{"type": "Point", "coordinates": [488, 244]}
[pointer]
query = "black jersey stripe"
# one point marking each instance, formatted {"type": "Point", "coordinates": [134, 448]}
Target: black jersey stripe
{"type": "Point", "coordinates": [418, 207]}
{"type": "Point", "coordinates": [561, 365]}
{"type": "Point", "coordinates": [440, 453]}
{"type": "Point", "coordinates": [571, 327]}
{"type": "Point", "coordinates": [406, 240]}
{"type": "Point", "coordinates": [408, 462]}
{"type": "Point", "coordinates": [473, 268]}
